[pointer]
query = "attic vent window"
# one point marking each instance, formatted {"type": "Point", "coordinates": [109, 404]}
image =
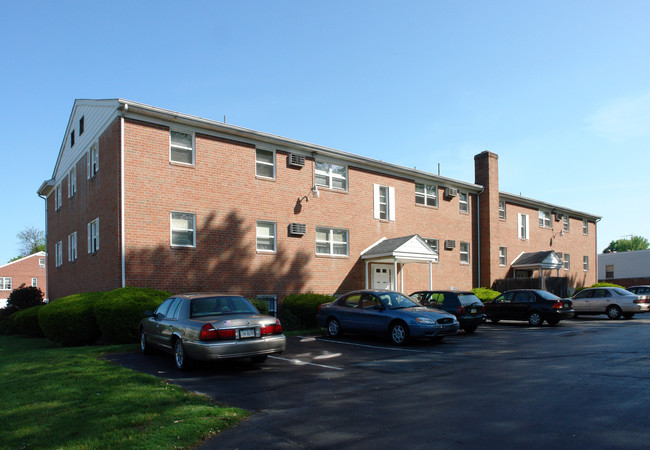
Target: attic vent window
{"type": "Point", "coordinates": [81, 126]}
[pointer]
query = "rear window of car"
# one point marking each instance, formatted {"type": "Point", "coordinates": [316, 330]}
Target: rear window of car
{"type": "Point", "coordinates": [211, 306]}
{"type": "Point", "coordinates": [547, 295]}
{"type": "Point", "coordinates": [468, 299]}
{"type": "Point", "coordinates": [620, 291]}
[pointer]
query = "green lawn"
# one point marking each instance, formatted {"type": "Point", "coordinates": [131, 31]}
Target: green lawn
{"type": "Point", "coordinates": [54, 397]}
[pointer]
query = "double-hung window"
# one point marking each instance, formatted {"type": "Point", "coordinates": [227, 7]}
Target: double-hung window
{"type": "Point", "coordinates": [266, 236]}
{"type": "Point", "coordinates": [585, 227]}
{"type": "Point", "coordinates": [58, 254]}
{"type": "Point", "coordinates": [183, 229]}
{"type": "Point", "coordinates": [181, 148]}
{"type": "Point", "coordinates": [464, 252]}
{"type": "Point", "coordinates": [565, 222]}
{"type": "Point", "coordinates": [34, 282]}
{"type": "Point", "coordinates": [567, 261]}
{"type": "Point", "coordinates": [544, 219]}
{"type": "Point", "coordinates": [92, 161]}
{"type": "Point", "coordinates": [502, 210]}
{"type": "Point", "coordinates": [433, 243]}
{"type": "Point", "coordinates": [5, 283]}
{"type": "Point", "coordinates": [72, 181]}
{"type": "Point", "coordinates": [58, 197]}
{"type": "Point", "coordinates": [72, 247]}
{"type": "Point", "coordinates": [585, 263]}
{"type": "Point", "coordinates": [41, 263]}
{"type": "Point", "coordinates": [463, 202]}
{"type": "Point", "coordinates": [503, 256]}
{"type": "Point", "coordinates": [426, 194]}
{"type": "Point", "coordinates": [522, 226]}
{"type": "Point", "coordinates": [93, 236]}
{"type": "Point", "coordinates": [264, 163]}
{"type": "Point", "coordinates": [384, 202]}
{"type": "Point", "coordinates": [331, 176]}
{"type": "Point", "coordinates": [331, 241]}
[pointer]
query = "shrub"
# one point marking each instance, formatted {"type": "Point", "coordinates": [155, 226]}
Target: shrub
{"type": "Point", "coordinates": [26, 321]}
{"type": "Point", "coordinates": [6, 323]}
{"type": "Point", "coordinates": [70, 320]}
{"type": "Point", "coordinates": [261, 305]}
{"type": "Point", "coordinates": [595, 285]}
{"type": "Point", "coordinates": [305, 307]}
{"type": "Point", "coordinates": [118, 313]}
{"type": "Point", "coordinates": [24, 297]}
{"type": "Point", "coordinates": [485, 294]}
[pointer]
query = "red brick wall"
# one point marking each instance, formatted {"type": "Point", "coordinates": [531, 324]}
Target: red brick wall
{"type": "Point", "coordinates": [227, 198]}
{"type": "Point", "coordinates": [22, 271]}
{"type": "Point", "coordinates": [97, 197]}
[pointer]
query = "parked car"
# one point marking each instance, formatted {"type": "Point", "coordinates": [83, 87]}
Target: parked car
{"type": "Point", "coordinates": [466, 306]}
{"type": "Point", "coordinates": [613, 301]}
{"type": "Point", "coordinates": [385, 312]}
{"type": "Point", "coordinates": [639, 290]}
{"type": "Point", "coordinates": [206, 327]}
{"type": "Point", "coordinates": [533, 305]}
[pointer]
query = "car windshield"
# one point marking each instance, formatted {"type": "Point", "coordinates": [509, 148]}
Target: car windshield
{"type": "Point", "coordinates": [547, 295]}
{"type": "Point", "coordinates": [468, 299]}
{"type": "Point", "coordinates": [394, 300]}
{"type": "Point", "coordinates": [211, 306]}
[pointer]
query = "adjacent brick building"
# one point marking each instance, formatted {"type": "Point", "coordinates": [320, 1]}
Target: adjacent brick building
{"type": "Point", "coordinates": [30, 271]}
{"type": "Point", "coordinates": [142, 196]}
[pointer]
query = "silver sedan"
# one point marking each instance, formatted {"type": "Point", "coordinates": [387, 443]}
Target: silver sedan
{"type": "Point", "coordinates": [209, 327]}
{"type": "Point", "coordinates": [613, 301]}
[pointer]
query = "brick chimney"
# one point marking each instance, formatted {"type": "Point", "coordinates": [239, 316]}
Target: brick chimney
{"type": "Point", "coordinates": [486, 173]}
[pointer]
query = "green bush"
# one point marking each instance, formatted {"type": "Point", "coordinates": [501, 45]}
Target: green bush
{"type": "Point", "coordinates": [485, 294]}
{"type": "Point", "coordinates": [595, 285]}
{"type": "Point", "coordinates": [6, 323]}
{"type": "Point", "coordinates": [26, 321]}
{"type": "Point", "coordinates": [118, 313]}
{"type": "Point", "coordinates": [305, 307]}
{"type": "Point", "coordinates": [261, 305]}
{"type": "Point", "coordinates": [24, 297]}
{"type": "Point", "coordinates": [70, 320]}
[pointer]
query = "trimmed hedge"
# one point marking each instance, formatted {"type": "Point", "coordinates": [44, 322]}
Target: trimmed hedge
{"type": "Point", "coordinates": [6, 320]}
{"type": "Point", "coordinates": [485, 294]}
{"type": "Point", "coordinates": [71, 320]}
{"type": "Point", "coordinates": [26, 321]}
{"type": "Point", "coordinates": [595, 285]}
{"type": "Point", "coordinates": [305, 307]}
{"type": "Point", "coordinates": [118, 313]}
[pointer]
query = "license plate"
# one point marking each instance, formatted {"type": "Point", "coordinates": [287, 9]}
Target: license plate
{"type": "Point", "coordinates": [247, 333]}
{"type": "Point", "coordinates": [473, 311]}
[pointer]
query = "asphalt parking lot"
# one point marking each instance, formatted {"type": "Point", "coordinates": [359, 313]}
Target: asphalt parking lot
{"type": "Point", "coordinates": [582, 384]}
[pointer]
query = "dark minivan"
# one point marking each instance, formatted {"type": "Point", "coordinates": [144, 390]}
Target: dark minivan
{"type": "Point", "coordinates": [466, 306]}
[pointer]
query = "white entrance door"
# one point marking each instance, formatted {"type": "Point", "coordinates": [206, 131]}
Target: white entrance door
{"type": "Point", "coordinates": [382, 277]}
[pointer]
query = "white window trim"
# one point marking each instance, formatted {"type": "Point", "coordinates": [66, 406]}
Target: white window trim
{"type": "Point", "coordinates": [585, 227]}
{"type": "Point", "coordinates": [93, 236]}
{"type": "Point", "coordinates": [520, 225]}
{"type": "Point", "coordinates": [425, 195]}
{"type": "Point", "coordinates": [42, 266]}
{"type": "Point", "coordinates": [72, 247]}
{"type": "Point", "coordinates": [504, 216]}
{"type": "Point", "coordinates": [390, 210]}
{"type": "Point", "coordinates": [58, 254]}
{"type": "Point", "coordinates": [585, 263]}
{"type": "Point", "coordinates": [72, 181]}
{"type": "Point", "coordinates": [92, 160]}
{"type": "Point", "coordinates": [544, 218]}
{"type": "Point", "coordinates": [566, 223]}
{"type": "Point", "coordinates": [265, 163]}
{"type": "Point", "coordinates": [436, 249]}
{"type": "Point", "coordinates": [6, 281]}
{"type": "Point", "coordinates": [566, 261]}
{"type": "Point", "coordinates": [171, 230]}
{"type": "Point", "coordinates": [193, 149]}
{"type": "Point", "coordinates": [274, 236]}
{"type": "Point", "coordinates": [461, 202]}
{"type": "Point", "coordinates": [467, 253]}
{"type": "Point", "coordinates": [330, 175]}
{"type": "Point", "coordinates": [503, 255]}
{"type": "Point", "coordinates": [330, 242]}
{"type": "Point", "coordinates": [58, 197]}
{"type": "Point", "coordinates": [34, 282]}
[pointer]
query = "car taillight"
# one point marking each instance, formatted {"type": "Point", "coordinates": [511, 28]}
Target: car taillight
{"type": "Point", "coordinates": [558, 305]}
{"type": "Point", "coordinates": [275, 328]}
{"type": "Point", "coordinates": [461, 310]}
{"type": "Point", "coordinates": [209, 333]}
{"type": "Point", "coordinates": [642, 299]}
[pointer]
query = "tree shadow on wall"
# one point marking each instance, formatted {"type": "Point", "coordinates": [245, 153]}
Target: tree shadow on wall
{"type": "Point", "coordinates": [225, 259]}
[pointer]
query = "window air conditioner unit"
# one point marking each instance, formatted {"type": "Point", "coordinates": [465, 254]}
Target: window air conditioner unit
{"type": "Point", "coordinates": [296, 160]}
{"type": "Point", "coordinates": [450, 245]}
{"type": "Point", "coordinates": [297, 229]}
{"type": "Point", "coordinates": [558, 217]}
{"type": "Point", "coordinates": [451, 192]}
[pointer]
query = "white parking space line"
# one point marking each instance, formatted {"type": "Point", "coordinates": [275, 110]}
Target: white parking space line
{"type": "Point", "coordinates": [305, 363]}
{"type": "Point", "coordinates": [398, 349]}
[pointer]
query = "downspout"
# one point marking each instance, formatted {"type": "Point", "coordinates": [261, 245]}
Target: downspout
{"type": "Point", "coordinates": [47, 266]}
{"type": "Point", "coordinates": [478, 235]}
{"type": "Point", "coordinates": [122, 214]}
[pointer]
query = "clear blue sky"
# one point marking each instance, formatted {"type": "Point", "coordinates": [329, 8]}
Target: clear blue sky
{"type": "Point", "coordinates": [560, 90]}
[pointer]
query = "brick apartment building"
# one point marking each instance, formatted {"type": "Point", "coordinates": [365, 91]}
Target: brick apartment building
{"type": "Point", "coordinates": [143, 196]}
{"type": "Point", "coordinates": [30, 271]}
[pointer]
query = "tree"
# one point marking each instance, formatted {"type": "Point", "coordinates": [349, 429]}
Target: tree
{"type": "Point", "coordinates": [628, 245]}
{"type": "Point", "coordinates": [32, 240]}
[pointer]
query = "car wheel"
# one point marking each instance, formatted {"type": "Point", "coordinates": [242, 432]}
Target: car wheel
{"type": "Point", "coordinates": [259, 358]}
{"type": "Point", "coordinates": [471, 329]}
{"type": "Point", "coordinates": [535, 319]}
{"type": "Point", "coordinates": [553, 322]}
{"type": "Point", "coordinates": [333, 328]}
{"type": "Point", "coordinates": [613, 312]}
{"type": "Point", "coordinates": [399, 333]}
{"type": "Point", "coordinates": [628, 315]}
{"type": "Point", "coordinates": [144, 346]}
{"type": "Point", "coordinates": [180, 357]}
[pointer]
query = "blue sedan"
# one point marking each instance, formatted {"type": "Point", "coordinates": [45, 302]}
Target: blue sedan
{"type": "Point", "coordinates": [385, 312]}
